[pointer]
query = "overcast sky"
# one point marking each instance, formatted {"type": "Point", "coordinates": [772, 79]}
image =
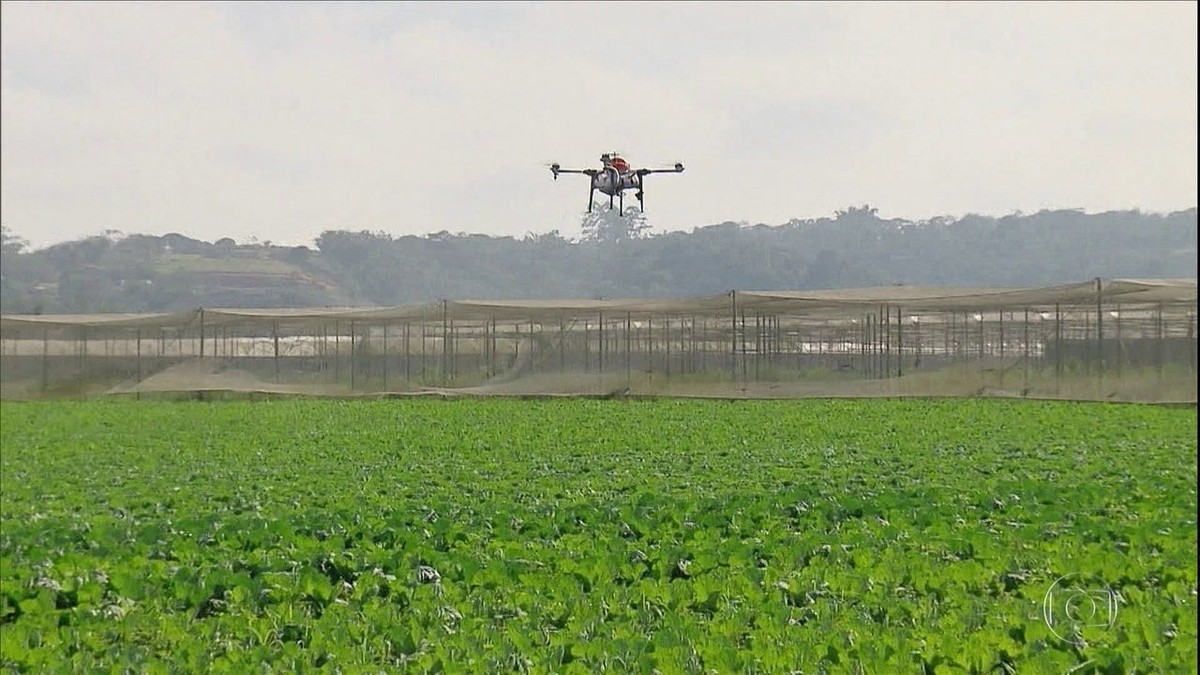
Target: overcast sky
{"type": "Point", "coordinates": [279, 121]}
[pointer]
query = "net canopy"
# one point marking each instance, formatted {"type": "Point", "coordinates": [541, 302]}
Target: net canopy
{"type": "Point", "coordinates": [927, 298]}
{"type": "Point", "coordinates": [1122, 339]}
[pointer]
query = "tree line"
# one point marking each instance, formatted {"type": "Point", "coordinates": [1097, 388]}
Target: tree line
{"type": "Point", "coordinates": [616, 256]}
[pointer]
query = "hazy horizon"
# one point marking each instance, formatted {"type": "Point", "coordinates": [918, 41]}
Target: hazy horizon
{"type": "Point", "coordinates": [116, 235]}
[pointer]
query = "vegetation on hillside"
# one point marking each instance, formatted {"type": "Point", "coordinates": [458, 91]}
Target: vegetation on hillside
{"type": "Point", "coordinates": [613, 257]}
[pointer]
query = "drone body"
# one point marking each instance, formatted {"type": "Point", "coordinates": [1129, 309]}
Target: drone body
{"type": "Point", "coordinates": [614, 177]}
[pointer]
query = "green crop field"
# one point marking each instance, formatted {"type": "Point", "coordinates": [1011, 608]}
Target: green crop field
{"type": "Point", "coordinates": [577, 536]}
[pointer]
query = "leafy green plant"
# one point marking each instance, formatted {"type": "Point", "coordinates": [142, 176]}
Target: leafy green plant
{"type": "Point", "coordinates": [579, 536]}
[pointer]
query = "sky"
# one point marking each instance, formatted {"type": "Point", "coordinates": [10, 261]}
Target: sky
{"type": "Point", "coordinates": [277, 121]}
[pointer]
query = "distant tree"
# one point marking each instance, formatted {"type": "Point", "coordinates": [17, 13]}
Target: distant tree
{"type": "Point", "coordinates": [10, 243]}
{"type": "Point", "coordinates": [551, 237]}
{"type": "Point", "coordinates": [16, 288]}
{"type": "Point", "coordinates": [866, 211]}
{"type": "Point", "coordinates": [828, 270]}
{"type": "Point", "coordinates": [181, 244]}
{"type": "Point", "coordinates": [297, 255]}
{"type": "Point", "coordinates": [619, 257]}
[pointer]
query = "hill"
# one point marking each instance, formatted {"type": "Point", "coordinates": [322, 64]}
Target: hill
{"type": "Point", "coordinates": [615, 257]}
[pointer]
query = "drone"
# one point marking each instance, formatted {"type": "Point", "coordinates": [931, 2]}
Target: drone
{"type": "Point", "coordinates": [614, 177]}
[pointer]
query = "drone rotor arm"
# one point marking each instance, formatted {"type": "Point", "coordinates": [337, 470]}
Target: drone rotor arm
{"type": "Point", "coordinates": [554, 168]}
{"type": "Point", "coordinates": [678, 168]}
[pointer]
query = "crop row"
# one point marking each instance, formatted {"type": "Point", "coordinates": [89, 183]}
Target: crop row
{"type": "Point", "coordinates": [581, 536]}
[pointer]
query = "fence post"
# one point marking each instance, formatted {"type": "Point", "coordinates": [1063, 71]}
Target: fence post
{"type": "Point", "coordinates": [600, 355]}
{"type": "Point", "coordinates": [445, 342]}
{"type": "Point", "coordinates": [1191, 336]}
{"type": "Point", "coordinates": [353, 354]}
{"type": "Point", "coordinates": [46, 359]}
{"type": "Point", "coordinates": [733, 335]}
{"type": "Point", "coordinates": [83, 354]}
{"type": "Point", "coordinates": [745, 367]}
{"type": "Point", "coordinates": [872, 346]}
{"type": "Point", "coordinates": [650, 344]}
{"type": "Point", "coordinates": [982, 336]}
{"type": "Point", "coordinates": [667, 347]}
{"type": "Point", "coordinates": [1001, 338]}
{"type": "Point", "coordinates": [1161, 335]}
{"type": "Point", "coordinates": [1118, 348]}
{"type": "Point", "coordinates": [1025, 354]}
{"type": "Point", "coordinates": [885, 313]}
{"type": "Point", "coordinates": [864, 359]}
{"type": "Point", "coordinates": [1058, 365]}
{"type": "Point", "coordinates": [950, 338]}
{"type": "Point", "coordinates": [628, 350]}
